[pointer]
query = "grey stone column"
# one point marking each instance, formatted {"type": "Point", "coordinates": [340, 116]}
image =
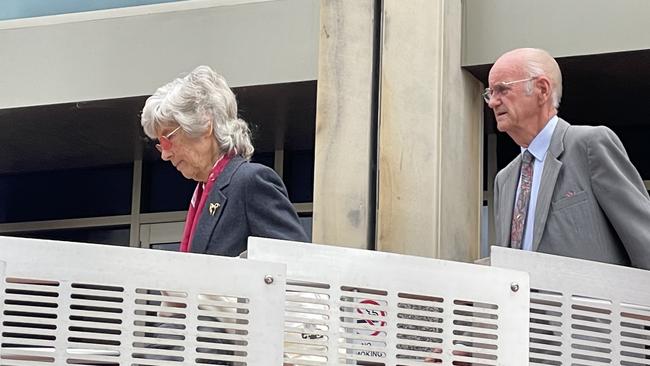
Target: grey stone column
{"type": "Point", "coordinates": [430, 136]}
{"type": "Point", "coordinates": [343, 197]}
{"type": "Point", "coordinates": [429, 133]}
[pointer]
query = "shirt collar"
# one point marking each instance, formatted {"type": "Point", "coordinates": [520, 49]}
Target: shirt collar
{"type": "Point", "coordinates": [542, 141]}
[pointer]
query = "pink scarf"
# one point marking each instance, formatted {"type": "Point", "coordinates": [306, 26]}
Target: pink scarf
{"type": "Point", "coordinates": [203, 192]}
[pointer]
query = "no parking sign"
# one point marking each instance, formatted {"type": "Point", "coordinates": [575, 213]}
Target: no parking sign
{"type": "Point", "coordinates": [366, 315]}
{"type": "Point", "coordinates": [372, 312]}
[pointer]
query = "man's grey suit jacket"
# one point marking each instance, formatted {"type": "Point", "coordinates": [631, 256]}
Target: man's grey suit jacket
{"type": "Point", "coordinates": [592, 203]}
{"type": "Point", "coordinates": [252, 201]}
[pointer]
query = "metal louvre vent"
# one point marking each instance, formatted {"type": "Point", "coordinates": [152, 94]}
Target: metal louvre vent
{"type": "Point", "coordinates": [344, 308]}
{"type": "Point", "coordinates": [223, 322]}
{"type": "Point", "coordinates": [583, 312]}
{"type": "Point", "coordinates": [79, 304]}
{"type": "Point", "coordinates": [362, 325]}
{"type": "Point", "coordinates": [591, 330]}
{"type": "Point", "coordinates": [475, 332]}
{"type": "Point", "coordinates": [545, 327]}
{"type": "Point", "coordinates": [419, 324]}
{"type": "Point", "coordinates": [29, 319]}
{"type": "Point", "coordinates": [96, 319]}
{"type": "Point", "coordinates": [635, 334]}
{"type": "Point", "coordinates": [307, 318]}
{"type": "Point", "coordinates": [160, 325]}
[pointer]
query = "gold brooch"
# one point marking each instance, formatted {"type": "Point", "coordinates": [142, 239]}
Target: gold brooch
{"type": "Point", "coordinates": [213, 208]}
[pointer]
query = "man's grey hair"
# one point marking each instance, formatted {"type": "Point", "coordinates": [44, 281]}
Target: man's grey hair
{"type": "Point", "coordinates": [197, 102]}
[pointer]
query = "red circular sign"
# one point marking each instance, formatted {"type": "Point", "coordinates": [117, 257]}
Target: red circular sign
{"type": "Point", "coordinates": [372, 313]}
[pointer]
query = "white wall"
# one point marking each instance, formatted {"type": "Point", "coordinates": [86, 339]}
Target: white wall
{"type": "Point", "coordinates": [563, 27]}
{"type": "Point", "coordinates": [128, 52]}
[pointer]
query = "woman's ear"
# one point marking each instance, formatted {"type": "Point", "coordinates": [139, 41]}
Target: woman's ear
{"type": "Point", "coordinates": [210, 130]}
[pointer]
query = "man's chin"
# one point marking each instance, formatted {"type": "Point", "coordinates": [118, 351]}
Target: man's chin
{"type": "Point", "coordinates": [502, 125]}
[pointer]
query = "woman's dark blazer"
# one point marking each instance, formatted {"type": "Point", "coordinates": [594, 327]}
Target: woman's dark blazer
{"type": "Point", "coordinates": [247, 199]}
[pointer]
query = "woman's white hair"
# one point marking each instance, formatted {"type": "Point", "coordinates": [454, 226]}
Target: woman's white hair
{"type": "Point", "coordinates": [197, 102]}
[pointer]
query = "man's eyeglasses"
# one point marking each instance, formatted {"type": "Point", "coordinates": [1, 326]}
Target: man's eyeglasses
{"type": "Point", "coordinates": [500, 89]}
{"type": "Point", "coordinates": [164, 142]}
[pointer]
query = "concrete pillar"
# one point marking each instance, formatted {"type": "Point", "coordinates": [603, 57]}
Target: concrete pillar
{"type": "Point", "coordinates": [430, 135]}
{"type": "Point", "coordinates": [428, 191]}
{"type": "Point", "coordinates": [343, 193]}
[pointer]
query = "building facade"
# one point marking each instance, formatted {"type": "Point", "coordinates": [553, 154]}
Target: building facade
{"type": "Point", "coordinates": [370, 110]}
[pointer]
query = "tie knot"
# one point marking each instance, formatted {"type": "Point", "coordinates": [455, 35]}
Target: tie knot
{"type": "Point", "coordinates": [527, 158]}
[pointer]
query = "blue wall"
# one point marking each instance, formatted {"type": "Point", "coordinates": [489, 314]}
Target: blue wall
{"type": "Point", "coordinates": [14, 9]}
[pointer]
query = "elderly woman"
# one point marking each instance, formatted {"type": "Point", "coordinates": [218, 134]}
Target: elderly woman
{"type": "Point", "coordinates": [195, 121]}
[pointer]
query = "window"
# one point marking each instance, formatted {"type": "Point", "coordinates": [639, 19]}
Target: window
{"type": "Point", "coordinates": [64, 194]}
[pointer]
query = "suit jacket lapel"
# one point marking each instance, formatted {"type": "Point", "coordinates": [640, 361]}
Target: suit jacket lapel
{"type": "Point", "coordinates": [508, 200]}
{"type": "Point", "coordinates": [552, 166]}
{"type": "Point", "coordinates": [207, 220]}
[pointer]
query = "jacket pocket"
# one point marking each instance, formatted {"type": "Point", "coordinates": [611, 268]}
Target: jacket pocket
{"type": "Point", "coordinates": [565, 202]}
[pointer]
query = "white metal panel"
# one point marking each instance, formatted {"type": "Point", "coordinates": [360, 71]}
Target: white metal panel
{"type": "Point", "coordinates": [85, 304]}
{"type": "Point", "coordinates": [583, 312]}
{"type": "Point", "coordinates": [351, 306]}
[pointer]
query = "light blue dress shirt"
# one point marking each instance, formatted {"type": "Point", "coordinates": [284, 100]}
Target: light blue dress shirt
{"type": "Point", "coordinates": [538, 147]}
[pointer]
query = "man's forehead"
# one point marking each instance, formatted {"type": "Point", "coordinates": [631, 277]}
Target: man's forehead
{"type": "Point", "coordinates": [502, 71]}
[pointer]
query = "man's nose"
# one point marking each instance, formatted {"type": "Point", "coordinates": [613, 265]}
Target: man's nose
{"type": "Point", "coordinates": [494, 101]}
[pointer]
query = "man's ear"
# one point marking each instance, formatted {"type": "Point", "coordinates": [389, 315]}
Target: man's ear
{"type": "Point", "coordinates": [545, 89]}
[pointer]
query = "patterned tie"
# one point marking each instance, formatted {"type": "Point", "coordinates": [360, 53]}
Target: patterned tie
{"type": "Point", "coordinates": [521, 207]}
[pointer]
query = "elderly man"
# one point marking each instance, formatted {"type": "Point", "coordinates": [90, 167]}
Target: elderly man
{"type": "Point", "coordinates": [573, 190]}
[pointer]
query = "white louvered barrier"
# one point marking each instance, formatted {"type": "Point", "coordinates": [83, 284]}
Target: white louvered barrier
{"type": "Point", "coordinates": [82, 304]}
{"type": "Point", "coordinates": [347, 306]}
{"type": "Point", "coordinates": [583, 312]}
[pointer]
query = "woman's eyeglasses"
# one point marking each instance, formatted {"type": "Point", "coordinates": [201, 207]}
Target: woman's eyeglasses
{"type": "Point", "coordinates": [164, 143]}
